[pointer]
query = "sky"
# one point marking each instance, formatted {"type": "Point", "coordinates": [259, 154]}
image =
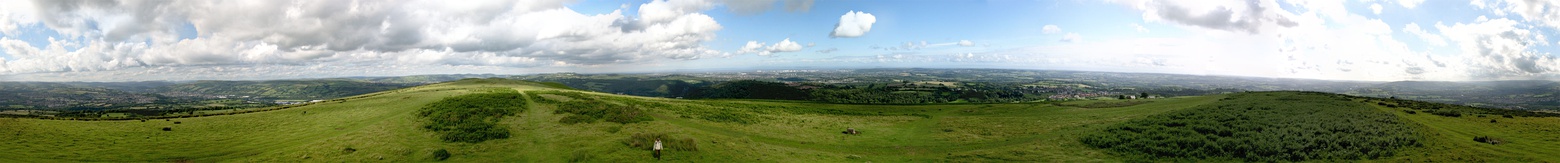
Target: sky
{"type": "Point", "coordinates": [1365, 40]}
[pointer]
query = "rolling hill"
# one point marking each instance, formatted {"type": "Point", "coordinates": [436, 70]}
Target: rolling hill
{"type": "Point", "coordinates": [556, 124]}
{"type": "Point", "coordinates": [279, 89]}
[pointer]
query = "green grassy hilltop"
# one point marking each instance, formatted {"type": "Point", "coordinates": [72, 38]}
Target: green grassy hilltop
{"type": "Point", "coordinates": [457, 121]}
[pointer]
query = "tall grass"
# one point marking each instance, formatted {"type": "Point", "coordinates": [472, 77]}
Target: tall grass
{"type": "Point", "coordinates": [646, 141]}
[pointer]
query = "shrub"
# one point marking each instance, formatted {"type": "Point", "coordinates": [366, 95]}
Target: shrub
{"type": "Point", "coordinates": [1262, 127]}
{"type": "Point", "coordinates": [441, 155]}
{"type": "Point", "coordinates": [1447, 113]}
{"type": "Point", "coordinates": [588, 110]}
{"type": "Point", "coordinates": [472, 118]}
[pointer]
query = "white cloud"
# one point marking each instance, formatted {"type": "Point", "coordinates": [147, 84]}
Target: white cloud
{"type": "Point", "coordinates": [1410, 4]}
{"type": "Point", "coordinates": [1433, 39]}
{"type": "Point", "coordinates": [1139, 28]}
{"type": "Point", "coordinates": [1242, 16]}
{"type": "Point", "coordinates": [1050, 29]}
{"type": "Point", "coordinates": [755, 47]}
{"type": "Point", "coordinates": [1543, 12]}
{"type": "Point", "coordinates": [966, 43]}
{"type": "Point", "coordinates": [1375, 8]}
{"type": "Point", "coordinates": [274, 33]}
{"type": "Point", "coordinates": [785, 46]}
{"type": "Point", "coordinates": [658, 11]}
{"type": "Point", "coordinates": [1500, 48]}
{"type": "Point", "coordinates": [1072, 38]}
{"type": "Point", "coordinates": [14, 14]}
{"type": "Point", "coordinates": [853, 24]}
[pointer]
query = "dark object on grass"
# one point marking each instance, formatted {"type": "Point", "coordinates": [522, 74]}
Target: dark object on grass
{"type": "Point", "coordinates": [441, 154]}
{"type": "Point", "coordinates": [1492, 120]}
{"type": "Point", "coordinates": [167, 128]}
{"type": "Point", "coordinates": [1487, 139]}
{"type": "Point", "coordinates": [850, 131]}
{"type": "Point", "coordinates": [176, 122]}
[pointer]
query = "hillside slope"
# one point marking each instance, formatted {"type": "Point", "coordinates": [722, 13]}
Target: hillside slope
{"type": "Point", "coordinates": [558, 125]}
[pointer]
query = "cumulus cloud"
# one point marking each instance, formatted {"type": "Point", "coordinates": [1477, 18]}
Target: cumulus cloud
{"type": "Point", "coordinates": [1375, 8]}
{"type": "Point", "coordinates": [1072, 38]}
{"type": "Point", "coordinates": [755, 47]}
{"type": "Point", "coordinates": [112, 35]}
{"type": "Point", "coordinates": [1050, 29]}
{"type": "Point", "coordinates": [1499, 47]}
{"type": "Point", "coordinates": [1139, 28]}
{"type": "Point", "coordinates": [966, 43]}
{"type": "Point", "coordinates": [785, 46]}
{"type": "Point", "coordinates": [1546, 13]}
{"type": "Point", "coordinates": [853, 24]}
{"type": "Point", "coordinates": [1242, 16]}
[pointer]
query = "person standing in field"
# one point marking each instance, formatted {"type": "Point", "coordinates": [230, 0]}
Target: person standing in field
{"type": "Point", "coordinates": [657, 148]}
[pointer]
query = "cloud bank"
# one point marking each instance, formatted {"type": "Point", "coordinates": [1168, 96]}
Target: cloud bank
{"type": "Point", "coordinates": [114, 35]}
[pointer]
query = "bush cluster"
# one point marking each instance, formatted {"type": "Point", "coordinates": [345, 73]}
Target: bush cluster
{"type": "Point", "coordinates": [472, 118]}
{"type": "Point", "coordinates": [587, 109]}
{"type": "Point", "coordinates": [441, 155]}
{"type": "Point", "coordinates": [1263, 127]}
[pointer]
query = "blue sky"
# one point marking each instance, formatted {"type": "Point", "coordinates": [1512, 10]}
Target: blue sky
{"type": "Point", "coordinates": [1375, 40]}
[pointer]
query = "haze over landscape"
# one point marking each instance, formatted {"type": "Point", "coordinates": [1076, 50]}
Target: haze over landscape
{"type": "Point", "coordinates": [1372, 40]}
{"type": "Point", "coordinates": [779, 81]}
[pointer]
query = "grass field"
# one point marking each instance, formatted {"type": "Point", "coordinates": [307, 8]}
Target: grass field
{"type": "Point", "coordinates": [385, 128]}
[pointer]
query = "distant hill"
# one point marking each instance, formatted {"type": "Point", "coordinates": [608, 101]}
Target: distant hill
{"type": "Point", "coordinates": [1517, 94]}
{"type": "Point", "coordinates": [123, 95]}
{"type": "Point", "coordinates": [420, 79]}
{"type": "Point", "coordinates": [277, 89]}
{"type": "Point", "coordinates": [37, 95]}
